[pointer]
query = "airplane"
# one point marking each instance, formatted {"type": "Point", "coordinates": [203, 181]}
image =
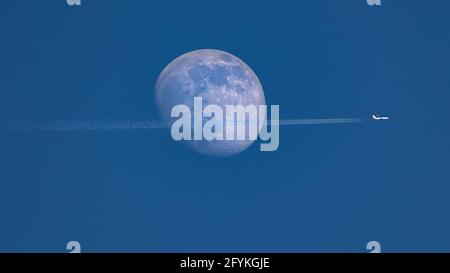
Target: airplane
{"type": "Point", "coordinates": [380, 118]}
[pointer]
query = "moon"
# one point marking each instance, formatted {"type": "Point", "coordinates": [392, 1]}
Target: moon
{"type": "Point", "coordinates": [218, 77]}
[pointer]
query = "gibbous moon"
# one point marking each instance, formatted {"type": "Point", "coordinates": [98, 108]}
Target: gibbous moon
{"type": "Point", "coordinates": [219, 78]}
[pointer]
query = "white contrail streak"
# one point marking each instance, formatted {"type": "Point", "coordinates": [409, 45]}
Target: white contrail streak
{"type": "Point", "coordinates": [105, 125]}
{"type": "Point", "coordinates": [299, 122]}
{"type": "Point", "coordinates": [91, 125]}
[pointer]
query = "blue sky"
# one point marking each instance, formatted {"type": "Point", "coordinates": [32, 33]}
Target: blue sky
{"type": "Point", "coordinates": [327, 188]}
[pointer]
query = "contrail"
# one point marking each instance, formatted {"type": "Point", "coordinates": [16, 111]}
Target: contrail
{"type": "Point", "coordinates": [105, 125]}
{"type": "Point", "coordinates": [299, 122]}
{"type": "Point", "coordinates": [88, 125]}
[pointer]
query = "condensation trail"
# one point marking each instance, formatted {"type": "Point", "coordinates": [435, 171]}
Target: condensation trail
{"type": "Point", "coordinates": [299, 122]}
{"type": "Point", "coordinates": [105, 125]}
{"type": "Point", "coordinates": [88, 125]}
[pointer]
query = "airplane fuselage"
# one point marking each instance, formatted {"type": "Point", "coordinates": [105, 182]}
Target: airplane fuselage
{"type": "Point", "coordinates": [380, 118]}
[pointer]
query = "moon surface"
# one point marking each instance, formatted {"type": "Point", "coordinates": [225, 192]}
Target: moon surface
{"type": "Point", "coordinates": [218, 77]}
